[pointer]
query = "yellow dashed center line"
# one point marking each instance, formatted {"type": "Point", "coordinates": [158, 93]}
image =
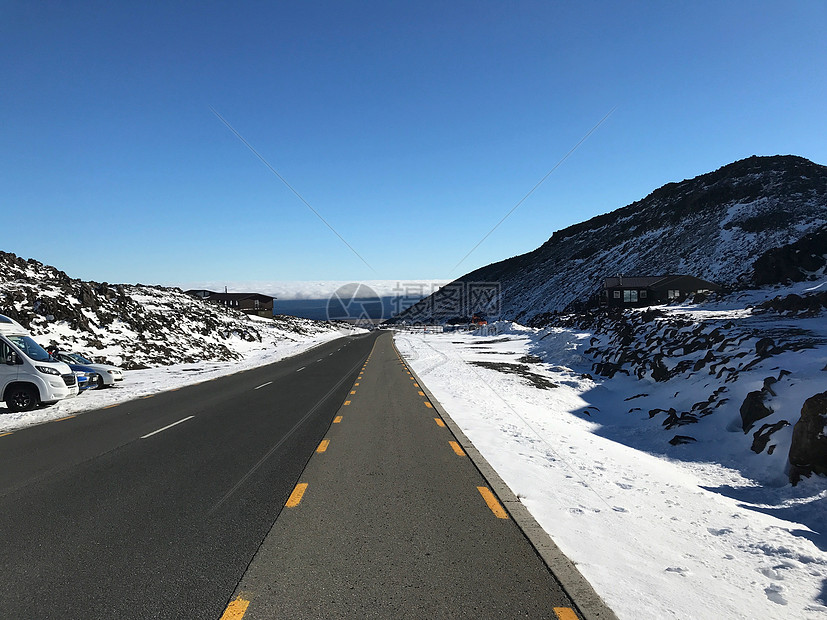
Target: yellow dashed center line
{"type": "Point", "coordinates": [565, 613]}
{"type": "Point", "coordinates": [323, 446]}
{"type": "Point", "coordinates": [439, 422]}
{"type": "Point", "coordinates": [429, 405]}
{"type": "Point", "coordinates": [236, 609]}
{"type": "Point", "coordinates": [68, 417]}
{"type": "Point", "coordinates": [110, 406]}
{"type": "Point", "coordinates": [352, 391]}
{"type": "Point", "coordinates": [421, 393]}
{"type": "Point", "coordinates": [457, 448]}
{"type": "Point", "coordinates": [337, 419]}
{"type": "Point", "coordinates": [296, 496]}
{"type": "Point", "coordinates": [4, 434]}
{"type": "Point", "coordinates": [493, 503]}
{"type": "Point", "coordinates": [416, 385]}
{"type": "Point", "coordinates": [347, 402]}
{"type": "Point", "coordinates": [355, 385]}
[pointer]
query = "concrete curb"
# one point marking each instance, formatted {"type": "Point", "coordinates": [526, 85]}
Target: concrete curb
{"type": "Point", "coordinates": [589, 604]}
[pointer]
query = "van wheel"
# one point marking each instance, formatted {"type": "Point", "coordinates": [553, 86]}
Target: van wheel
{"type": "Point", "coordinates": [21, 398]}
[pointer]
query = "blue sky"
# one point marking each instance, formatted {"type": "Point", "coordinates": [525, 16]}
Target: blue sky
{"type": "Point", "coordinates": [412, 128]}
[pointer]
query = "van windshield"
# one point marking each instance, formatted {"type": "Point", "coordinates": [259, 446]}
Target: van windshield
{"type": "Point", "coordinates": [30, 348]}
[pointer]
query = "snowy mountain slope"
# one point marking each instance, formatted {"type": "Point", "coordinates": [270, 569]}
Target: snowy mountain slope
{"type": "Point", "coordinates": [135, 326]}
{"type": "Point", "coordinates": [714, 226]}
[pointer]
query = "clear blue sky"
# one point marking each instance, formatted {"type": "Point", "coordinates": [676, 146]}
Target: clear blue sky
{"type": "Point", "coordinates": [411, 127]}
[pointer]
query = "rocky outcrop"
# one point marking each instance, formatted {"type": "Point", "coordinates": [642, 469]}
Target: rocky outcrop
{"type": "Point", "coordinates": [753, 409]}
{"type": "Point", "coordinates": [133, 326]}
{"type": "Point", "coordinates": [795, 262]}
{"type": "Point", "coordinates": [798, 305]}
{"type": "Point", "coordinates": [808, 449]}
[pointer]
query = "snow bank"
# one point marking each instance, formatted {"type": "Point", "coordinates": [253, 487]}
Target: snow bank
{"type": "Point", "coordinates": [703, 530]}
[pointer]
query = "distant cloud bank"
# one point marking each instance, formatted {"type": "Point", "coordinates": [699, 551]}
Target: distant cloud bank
{"type": "Point", "coordinates": [321, 289]}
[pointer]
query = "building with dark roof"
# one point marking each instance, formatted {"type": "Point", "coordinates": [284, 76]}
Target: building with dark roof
{"type": "Point", "coordinates": [249, 303]}
{"type": "Point", "coordinates": [636, 291]}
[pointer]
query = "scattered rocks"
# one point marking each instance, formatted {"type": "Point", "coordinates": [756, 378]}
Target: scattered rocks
{"type": "Point", "coordinates": [673, 419]}
{"type": "Point", "coordinates": [654, 345]}
{"type": "Point", "coordinates": [608, 369]}
{"type": "Point", "coordinates": [522, 370]}
{"type": "Point", "coordinates": [761, 437]}
{"type": "Point", "coordinates": [811, 305]}
{"type": "Point", "coordinates": [530, 359]}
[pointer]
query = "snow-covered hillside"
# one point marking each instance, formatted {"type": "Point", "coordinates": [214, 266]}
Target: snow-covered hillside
{"type": "Point", "coordinates": [714, 226]}
{"type": "Point", "coordinates": [653, 446]}
{"type": "Point", "coordinates": [135, 326]}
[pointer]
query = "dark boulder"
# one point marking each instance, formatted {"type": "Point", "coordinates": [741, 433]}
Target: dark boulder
{"type": "Point", "coordinates": [753, 409]}
{"type": "Point", "coordinates": [679, 440]}
{"type": "Point", "coordinates": [808, 448]}
{"type": "Point", "coordinates": [764, 347]}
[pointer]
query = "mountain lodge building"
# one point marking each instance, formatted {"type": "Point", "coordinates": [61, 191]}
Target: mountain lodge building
{"type": "Point", "coordinates": [636, 291]}
{"type": "Point", "coordinates": [249, 303]}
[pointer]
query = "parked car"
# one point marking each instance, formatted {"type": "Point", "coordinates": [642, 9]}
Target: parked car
{"type": "Point", "coordinates": [88, 377]}
{"type": "Point", "coordinates": [84, 383]}
{"type": "Point", "coordinates": [28, 375]}
{"type": "Point", "coordinates": [100, 375]}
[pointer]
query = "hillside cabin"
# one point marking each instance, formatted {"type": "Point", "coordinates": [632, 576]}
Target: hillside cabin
{"type": "Point", "coordinates": [637, 291]}
{"type": "Point", "coordinates": [249, 303]}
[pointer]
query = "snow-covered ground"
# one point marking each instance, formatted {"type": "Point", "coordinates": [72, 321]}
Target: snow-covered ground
{"type": "Point", "coordinates": [140, 383]}
{"type": "Point", "coordinates": [704, 530]}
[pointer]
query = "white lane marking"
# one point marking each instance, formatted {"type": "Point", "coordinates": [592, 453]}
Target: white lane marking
{"type": "Point", "coordinates": [263, 385]}
{"type": "Point", "coordinates": [168, 426]}
{"type": "Point", "coordinates": [318, 360]}
{"type": "Point", "coordinates": [302, 368]}
{"type": "Point", "coordinates": [284, 438]}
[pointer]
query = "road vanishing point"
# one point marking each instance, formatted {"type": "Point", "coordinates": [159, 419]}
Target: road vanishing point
{"type": "Point", "coordinates": [327, 485]}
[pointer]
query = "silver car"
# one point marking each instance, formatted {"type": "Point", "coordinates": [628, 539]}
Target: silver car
{"type": "Point", "coordinates": [100, 375]}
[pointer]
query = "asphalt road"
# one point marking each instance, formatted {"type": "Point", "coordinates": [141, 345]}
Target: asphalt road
{"type": "Point", "coordinates": [101, 516]}
{"type": "Point", "coordinates": [391, 519]}
{"type": "Point", "coordinates": [323, 486]}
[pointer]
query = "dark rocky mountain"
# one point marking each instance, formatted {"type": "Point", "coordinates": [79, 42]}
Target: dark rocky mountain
{"type": "Point", "coordinates": [757, 221]}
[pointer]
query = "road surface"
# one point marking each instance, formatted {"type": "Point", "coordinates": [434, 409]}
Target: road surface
{"type": "Point", "coordinates": [325, 485]}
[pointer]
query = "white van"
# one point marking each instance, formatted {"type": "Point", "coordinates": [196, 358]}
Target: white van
{"type": "Point", "coordinates": [28, 375]}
